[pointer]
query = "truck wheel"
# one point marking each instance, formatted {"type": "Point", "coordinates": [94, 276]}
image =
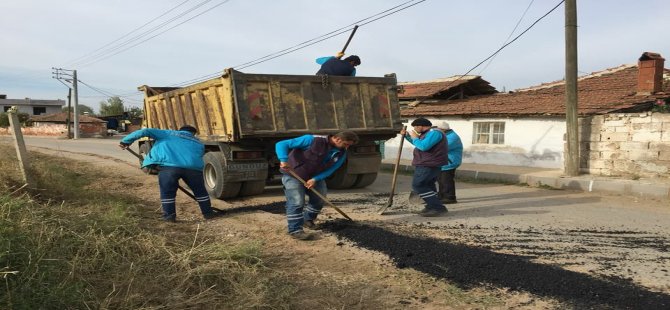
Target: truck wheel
{"type": "Point", "coordinates": [214, 175]}
{"type": "Point", "coordinates": [365, 179]}
{"type": "Point", "coordinates": [340, 179]}
{"type": "Point", "coordinates": [250, 188]}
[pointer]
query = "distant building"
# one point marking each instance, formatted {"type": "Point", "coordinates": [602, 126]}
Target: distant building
{"type": "Point", "coordinates": [32, 106]}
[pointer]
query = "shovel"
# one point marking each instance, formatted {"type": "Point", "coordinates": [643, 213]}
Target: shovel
{"type": "Point", "coordinates": [395, 175]}
{"type": "Point", "coordinates": [141, 158]}
{"type": "Point", "coordinates": [293, 174]}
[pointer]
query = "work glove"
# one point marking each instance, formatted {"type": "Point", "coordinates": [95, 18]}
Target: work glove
{"type": "Point", "coordinates": [124, 145]}
{"type": "Point", "coordinates": [339, 55]}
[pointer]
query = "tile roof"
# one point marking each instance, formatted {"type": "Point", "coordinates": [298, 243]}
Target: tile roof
{"type": "Point", "coordinates": [62, 118]}
{"type": "Point", "coordinates": [432, 88]}
{"type": "Point", "coordinates": [601, 92]}
{"type": "Point", "coordinates": [31, 102]}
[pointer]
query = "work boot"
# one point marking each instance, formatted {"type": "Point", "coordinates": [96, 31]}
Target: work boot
{"type": "Point", "coordinates": [432, 212]}
{"type": "Point", "coordinates": [448, 201]}
{"type": "Point", "coordinates": [301, 235]}
{"type": "Point", "coordinates": [169, 219]}
{"type": "Point", "coordinates": [309, 224]}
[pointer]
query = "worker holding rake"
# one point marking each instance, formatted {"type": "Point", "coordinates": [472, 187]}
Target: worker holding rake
{"type": "Point", "coordinates": [312, 158]}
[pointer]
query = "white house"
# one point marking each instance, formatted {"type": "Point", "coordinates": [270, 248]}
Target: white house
{"type": "Point", "coordinates": [526, 127]}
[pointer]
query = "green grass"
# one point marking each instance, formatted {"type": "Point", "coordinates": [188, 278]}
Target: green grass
{"type": "Point", "coordinates": [68, 244]}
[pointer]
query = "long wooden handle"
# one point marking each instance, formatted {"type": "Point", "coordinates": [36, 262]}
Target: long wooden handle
{"type": "Point", "coordinates": [397, 164]}
{"type": "Point", "coordinates": [293, 174]}
{"type": "Point", "coordinates": [349, 40]}
{"type": "Point", "coordinates": [395, 174]}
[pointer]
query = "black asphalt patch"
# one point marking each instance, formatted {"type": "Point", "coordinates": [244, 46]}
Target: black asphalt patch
{"type": "Point", "coordinates": [470, 267]}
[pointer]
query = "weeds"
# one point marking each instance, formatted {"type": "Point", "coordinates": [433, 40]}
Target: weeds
{"type": "Point", "coordinates": [70, 245]}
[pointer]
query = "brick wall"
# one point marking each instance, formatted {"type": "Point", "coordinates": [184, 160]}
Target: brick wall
{"type": "Point", "coordinates": [630, 145]}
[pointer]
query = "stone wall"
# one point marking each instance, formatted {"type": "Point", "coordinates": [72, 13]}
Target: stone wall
{"type": "Point", "coordinates": [630, 145]}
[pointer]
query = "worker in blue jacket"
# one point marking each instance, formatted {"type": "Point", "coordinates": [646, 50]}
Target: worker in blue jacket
{"type": "Point", "coordinates": [430, 154]}
{"type": "Point", "coordinates": [177, 154]}
{"type": "Point", "coordinates": [313, 158]}
{"type": "Point", "coordinates": [446, 183]}
{"type": "Point", "coordinates": [335, 65]}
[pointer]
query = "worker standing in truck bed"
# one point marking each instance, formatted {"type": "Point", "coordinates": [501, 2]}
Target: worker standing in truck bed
{"type": "Point", "coordinates": [334, 65]}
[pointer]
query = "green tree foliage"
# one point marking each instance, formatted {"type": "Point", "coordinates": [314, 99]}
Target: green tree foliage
{"type": "Point", "coordinates": [135, 112]}
{"type": "Point", "coordinates": [113, 106]}
{"type": "Point", "coordinates": [82, 109]}
{"type": "Point", "coordinates": [4, 119]}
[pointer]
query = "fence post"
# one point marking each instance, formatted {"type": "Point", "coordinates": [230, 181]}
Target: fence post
{"type": "Point", "coordinates": [19, 144]}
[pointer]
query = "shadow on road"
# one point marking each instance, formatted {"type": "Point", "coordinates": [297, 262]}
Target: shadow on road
{"type": "Point", "coordinates": [470, 267]}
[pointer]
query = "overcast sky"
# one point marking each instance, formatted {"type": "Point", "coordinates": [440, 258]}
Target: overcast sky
{"type": "Point", "coordinates": [432, 39]}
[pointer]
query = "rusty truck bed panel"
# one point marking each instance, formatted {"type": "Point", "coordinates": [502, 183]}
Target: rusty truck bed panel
{"type": "Point", "coordinates": [238, 106]}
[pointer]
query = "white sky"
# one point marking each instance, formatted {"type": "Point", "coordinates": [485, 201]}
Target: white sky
{"type": "Point", "coordinates": [434, 39]}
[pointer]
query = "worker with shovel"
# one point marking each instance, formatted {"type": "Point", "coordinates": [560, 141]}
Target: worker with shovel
{"type": "Point", "coordinates": [177, 154]}
{"type": "Point", "coordinates": [312, 158]}
{"type": "Point", "coordinates": [430, 154]}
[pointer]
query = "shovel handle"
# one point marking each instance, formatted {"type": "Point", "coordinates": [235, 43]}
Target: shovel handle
{"type": "Point", "coordinates": [295, 175]}
{"type": "Point", "coordinates": [395, 174]}
{"type": "Point", "coordinates": [349, 40]}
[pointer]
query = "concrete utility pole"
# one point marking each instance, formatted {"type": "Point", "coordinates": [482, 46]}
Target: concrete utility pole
{"type": "Point", "coordinates": [69, 112]}
{"type": "Point", "coordinates": [76, 105]}
{"type": "Point", "coordinates": [62, 75]}
{"type": "Point", "coordinates": [20, 145]}
{"type": "Point", "coordinates": [572, 154]}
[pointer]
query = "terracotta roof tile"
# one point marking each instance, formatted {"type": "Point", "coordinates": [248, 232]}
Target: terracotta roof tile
{"type": "Point", "coordinates": [598, 93]}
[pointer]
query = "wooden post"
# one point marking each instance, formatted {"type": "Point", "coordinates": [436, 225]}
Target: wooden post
{"type": "Point", "coordinates": [19, 144]}
{"type": "Point", "coordinates": [572, 130]}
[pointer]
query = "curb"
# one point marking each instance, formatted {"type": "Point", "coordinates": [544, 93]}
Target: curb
{"type": "Point", "coordinates": [583, 183]}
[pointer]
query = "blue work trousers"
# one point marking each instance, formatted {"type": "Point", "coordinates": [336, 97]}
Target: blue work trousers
{"type": "Point", "coordinates": [423, 183]}
{"type": "Point", "coordinates": [296, 211]}
{"type": "Point", "coordinates": [168, 181]}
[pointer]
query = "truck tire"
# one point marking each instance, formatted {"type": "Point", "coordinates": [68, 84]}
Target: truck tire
{"type": "Point", "coordinates": [250, 188]}
{"type": "Point", "coordinates": [214, 174]}
{"type": "Point", "coordinates": [340, 179]}
{"type": "Point", "coordinates": [365, 179]}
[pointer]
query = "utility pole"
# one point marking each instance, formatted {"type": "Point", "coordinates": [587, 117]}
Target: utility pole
{"type": "Point", "coordinates": [571, 123]}
{"type": "Point", "coordinates": [63, 76]}
{"type": "Point", "coordinates": [69, 112]}
{"type": "Point", "coordinates": [76, 105]}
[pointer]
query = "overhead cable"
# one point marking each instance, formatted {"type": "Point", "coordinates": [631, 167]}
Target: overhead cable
{"type": "Point", "coordinates": [299, 46]}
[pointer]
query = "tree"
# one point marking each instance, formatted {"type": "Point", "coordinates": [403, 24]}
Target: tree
{"type": "Point", "coordinates": [4, 118]}
{"type": "Point", "coordinates": [82, 109]}
{"type": "Point", "coordinates": [135, 113]}
{"type": "Point", "coordinates": [113, 106]}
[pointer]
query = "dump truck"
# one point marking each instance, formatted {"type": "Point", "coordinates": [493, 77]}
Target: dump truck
{"type": "Point", "coordinates": [241, 116]}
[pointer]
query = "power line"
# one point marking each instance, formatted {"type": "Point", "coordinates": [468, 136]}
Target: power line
{"type": "Point", "coordinates": [152, 30]}
{"type": "Point", "coordinates": [506, 44]}
{"type": "Point", "coordinates": [108, 94]}
{"type": "Point", "coordinates": [323, 37]}
{"type": "Point", "coordinates": [509, 36]}
{"type": "Point", "coordinates": [127, 34]}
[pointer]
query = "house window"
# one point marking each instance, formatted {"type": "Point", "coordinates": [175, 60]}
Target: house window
{"type": "Point", "coordinates": [6, 108]}
{"type": "Point", "coordinates": [39, 110]}
{"type": "Point", "coordinates": [488, 133]}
